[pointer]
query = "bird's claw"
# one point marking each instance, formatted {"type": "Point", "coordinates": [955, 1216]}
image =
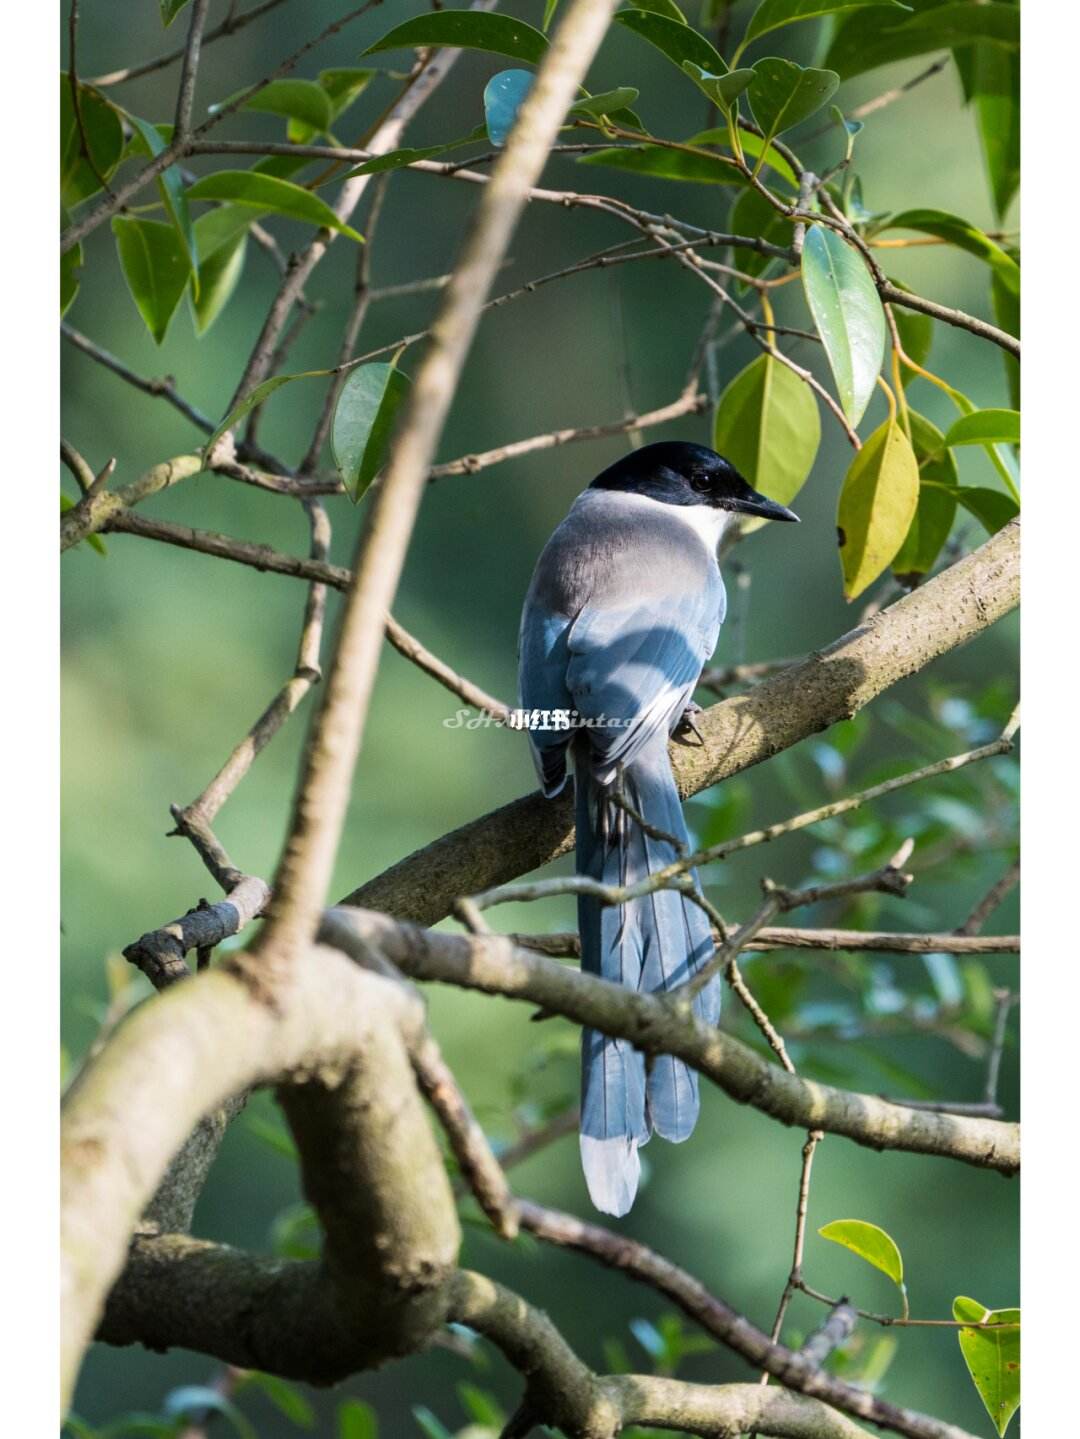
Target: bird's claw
{"type": "Point", "coordinates": [687, 724]}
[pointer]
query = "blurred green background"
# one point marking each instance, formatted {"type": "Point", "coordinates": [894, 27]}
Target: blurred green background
{"type": "Point", "coordinates": [169, 656]}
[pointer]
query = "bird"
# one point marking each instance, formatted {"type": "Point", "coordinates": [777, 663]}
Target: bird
{"type": "Point", "coordinates": [623, 611]}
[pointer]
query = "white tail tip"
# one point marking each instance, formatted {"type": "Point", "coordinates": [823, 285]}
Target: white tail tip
{"type": "Point", "coordinates": [612, 1170]}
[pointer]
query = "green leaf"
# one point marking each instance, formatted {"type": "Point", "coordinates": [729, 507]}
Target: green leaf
{"type": "Point", "coordinates": [665, 164]}
{"type": "Point", "coordinates": [992, 508]}
{"type": "Point", "coordinates": [467, 30]}
{"type": "Point", "coordinates": [266, 192]}
{"type": "Point", "coordinates": [985, 427]}
{"type": "Point", "coordinates": [257, 396]}
{"type": "Point", "coordinates": [431, 1427]}
{"type": "Point", "coordinates": [504, 94]}
{"type": "Point", "coordinates": [767, 424]}
{"type": "Point", "coordinates": [965, 236]}
{"type": "Point", "coordinates": [396, 159]}
{"type": "Point", "coordinates": [877, 505]}
{"type": "Point", "coordinates": [301, 100]}
{"type": "Point", "coordinates": [937, 507]}
{"type": "Point", "coordinates": [847, 313]}
{"type": "Point", "coordinates": [171, 189]}
{"type": "Point", "coordinates": [752, 145]}
{"type": "Point", "coordinates": [104, 137]}
{"type": "Point", "coordinates": [480, 1406]}
{"type": "Point", "coordinates": [866, 40]}
{"type": "Point", "coordinates": [606, 103]}
{"type": "Point", "coordinates": [284, 1397]}
{"type": "Point", "coordinates": [342, 86]}
{"type": "Point", "coordinates": [221, 237]}
{"type": "Point", "coordinates": [550, 6]}
{"type": "Point", "coordinates": [170, 9]}
{"type": "Point", "coordinates": [916, 335]}
{"type": "Point", "coordinates": [782, 94]}
{"type": "Point", "coordinates": [752, 215]}
{"type": "Point", "coordinates": [991, 79]}
{"type": "Point", "coordinates": [993, 1359]}
{"type": "Point", "coordinates": [70, 264]}
{"type": "Point", "coordinates": [274, 1136]}
{"type": "Point", "coordinates": [356, 1420]}
{"type": "Point", "coordinates": [661, 7]}
{"type": "Point", "coordinates": [772, 14]}
{"type": "Point", "coordinates": [722, 90]}
{"type": "Point", "coordinates": [869, 1242]}
{"type": "Point", "coordinates": [156, 267]}
{"type": "Point", "coordinates": [674, 39]}
{"type": "Point", "coordinates": [94, 541]}
{"type": "Point", "coordinates": [363, 421]}
{"type": "Point", "coordinates": [1007, 314]}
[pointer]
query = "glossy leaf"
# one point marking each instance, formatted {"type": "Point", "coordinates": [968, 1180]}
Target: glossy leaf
{"type": "Point", "coordinates": [992, 508]}
{"type": "Point", "coordinates": [504, 94]}
{"type": "Point", "coordinates": [869, 1242]}
{"type": "Point", "coordinates": [936, 511]}
{"type": "Point", "coordinates": [985, 427]}
{"type": "Point", "coordinates": [877, 505]}
{"type": "Point", "coordinates": [257, 396]}
{"type": "Point", "coordinates": [170, 9]}
{"type": "Point", "coordinates": [993, 1359]}
{"type": "Point", "coordinates": [772, 14]}
{"type": "Point", "coordinates": [363, 421]}
{"type": "Point", "coordinates": [753, 216]}
{"type": "Point", "coordinates": [286, 1398]}
{"type": "Point", "coordinates": [156, 267]}
{"type": "Point", "coordinates": [752, 146]}
{"type": "Point", "coordinates": [302, 100]}
{"type": "Point", "coordinates": [677, 41]}
{"type": "Point", "coordinates": [267, 193]}
{"type": "Point", "coordinates": [356, 1420]}
{"type": "Point", "coordinates": [722, 90]}
{"type": "Point", "coordinates": [868, 39]}
{"type": "Point", "coordinates": [767, 424]}
{"type": "Point", "coordinates": [955, 231]}
{"type": "Point", "coordinates": [173, 194]}
{"type": "Point", "coordinates": [848, 316]}
{"type": "Point", "coordinates": [782, 94]}
{"type": "Point", "coordinates": [665, 164]}
{"type": "Point", "coordinates": [467, 30]}
{"type": "Point", "coordinates": [104, 137]}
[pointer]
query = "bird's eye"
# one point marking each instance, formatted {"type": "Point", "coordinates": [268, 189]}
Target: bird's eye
{"type": "Point", "coordinates": [700, 483]}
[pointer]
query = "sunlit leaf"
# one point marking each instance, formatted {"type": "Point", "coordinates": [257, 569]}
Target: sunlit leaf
{"type": "Point", "coordinates": [104, 138]}
{"type": "Point", "coordinates": [782, 94]}
{"type": "Point", "coordinates": [267, 193]}
{"type": "Point", "coordinates": [767, 424]}
{"type": "Point", "coordinates": [992, 1358]}
{"type": "Point", "coordinates": [363, 421]}
{"type": "Point", "coordinates": [356, 1420]}
{"type": "Point", "coordinates": [847, 313]}
{"type": "Point", "coordinates": [504, 95]}
{"type": "Point", "coordinates": [937, 506]}
{"type": "Point", "coordinates": [156, 268]}
{"type": "Point", "coordinates": [965, 236]}
{"type": "Point", "coordinates": [985, 427]}
{"type": "Point", "coordinates": [467, 30]}
{"type": "Point", "coordinates": [868, 39]}
{"type": "Point", "coordinates": [877, 505]}
{"type": "Point", "coordinates": [869, 1242]}
{"type": "Point", "coordinates": [772, 14]}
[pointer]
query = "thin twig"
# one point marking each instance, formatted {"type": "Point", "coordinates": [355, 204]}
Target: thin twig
{"type": "Point", "coordinates": [229, 26]}
{"type": "Point", "coordinates": [189, 69]}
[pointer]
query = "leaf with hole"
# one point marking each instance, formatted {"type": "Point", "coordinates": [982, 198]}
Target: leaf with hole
{"type": "Point", "coordinates": [960, 233]}
{"type": "Point", "coordinates": [363, 421]}
{"type": "Point", "coordinates": [937, 506]}
{"type": "Point", "coordinates": [869, 38]}
{"type": "Point", "coordinates": [869, 1242]}
{"type": "Point", "coordinates": [782, 94]}
{"type": "Point", "coordinates": [173, 195]}
{"type": "Point", "coordinates": [773, 14]}
{"type": "Point", "coordinates": [674, 39]}
{"type": "Point", "coordinates": [722, 90]}
{"type": "Point", "coordinates": [104, 140]}
{"type": "Point", "coordinates": [847, 313]}
{"type": "Point", "coordinates": [467, 30]}
{"type": "Point", "coordinates": [877, 505]}
{"type": "Point", "coordinates": [767, 424]}
{"type": "Point", "coordinates": [267, 193]}
{"type": "Point", "coordinates": [985, 427]}
{"type": "Point", "coordinates": [992, 1358]}
{"type": "Point", "coordinates": [156, 268]}
{"type": "Point", "coordinates": [504, 95]}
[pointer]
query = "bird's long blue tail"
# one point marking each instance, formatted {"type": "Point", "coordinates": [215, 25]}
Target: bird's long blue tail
{"type": "Point", "coordinates": [653, 943]}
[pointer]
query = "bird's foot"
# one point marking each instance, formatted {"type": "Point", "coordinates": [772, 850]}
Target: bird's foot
{"type": "Point", "coordinates": [687, 725]}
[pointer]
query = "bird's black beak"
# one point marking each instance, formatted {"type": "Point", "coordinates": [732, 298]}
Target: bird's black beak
{"type": "Point", "coordinates": [753, 503]}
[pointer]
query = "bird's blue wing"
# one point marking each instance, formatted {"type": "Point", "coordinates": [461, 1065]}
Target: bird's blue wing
{"type": "Point", "coordinates": [544, 657]}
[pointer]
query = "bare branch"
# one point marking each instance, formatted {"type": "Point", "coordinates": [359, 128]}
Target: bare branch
{"type": "Point", "coordinates": [189, 69]}
{"type": "Point", "coordinates": [229, 26]}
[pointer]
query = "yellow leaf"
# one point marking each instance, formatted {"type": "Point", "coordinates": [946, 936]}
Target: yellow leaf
{"type": "Point", "coordinates": [877, 505]}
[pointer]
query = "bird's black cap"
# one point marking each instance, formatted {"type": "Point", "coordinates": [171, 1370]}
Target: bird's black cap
{"type": "Point", "coordinates": [676, 472]}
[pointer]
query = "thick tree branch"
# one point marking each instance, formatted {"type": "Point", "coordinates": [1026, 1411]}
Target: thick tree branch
{"type": "Point", "coordinates": [832, 684]}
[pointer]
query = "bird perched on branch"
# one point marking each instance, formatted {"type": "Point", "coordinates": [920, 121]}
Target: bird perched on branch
{"type": "Point", "coordinates": [623, 612]}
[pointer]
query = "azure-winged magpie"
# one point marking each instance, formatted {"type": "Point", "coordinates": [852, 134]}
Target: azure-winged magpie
{"type": "Point", "coordinates": [624, 609]}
